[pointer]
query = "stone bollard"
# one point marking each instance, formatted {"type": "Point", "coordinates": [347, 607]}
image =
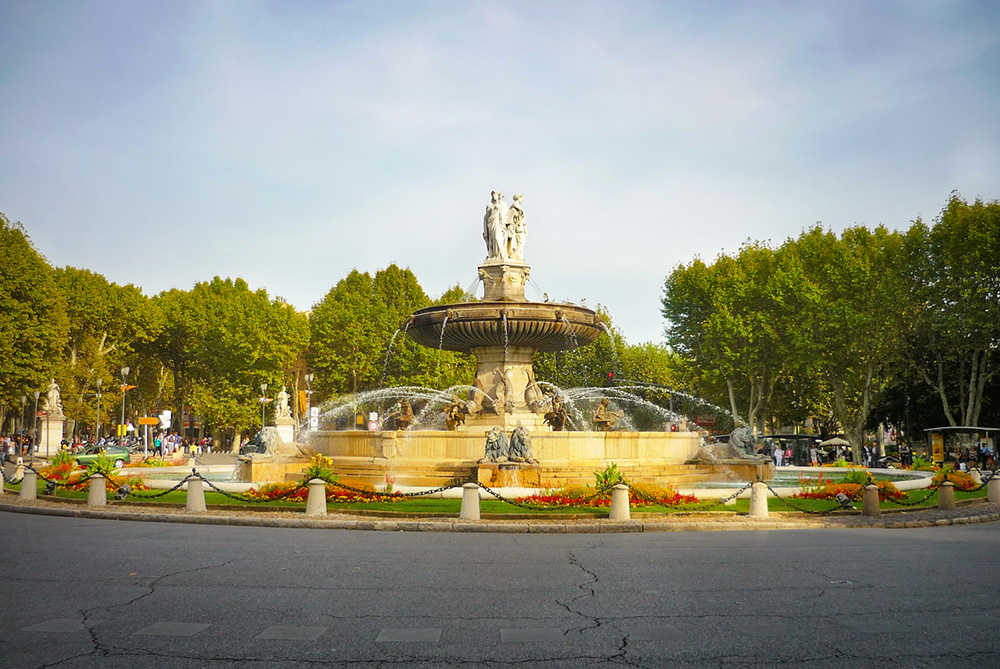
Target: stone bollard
{"type": "Point", "coordinates": [470, 502]}
{"type": "Point", "coordinates": [946, 496]}
{"type": "Point", "coordinates": [196, 494]}
{"type": "Point", "coordinates": [619, 503]}
{"type": "Point", "coordinates": [316, 502]}
{"type": "Point", "coordinates": [98, 495]}
{"type": "Point", "coordinates": [976, 476]}
{"type": "Point", "coordinates": [993, 490]}
{"type": "Point", "coordinates": [3, 483]}
{"type": "Point", "coordinates": [869, 502]}
{"type": "Point", "coordinates": [758, 500]}
{"type": "Point", "coordinates": [29, 485]}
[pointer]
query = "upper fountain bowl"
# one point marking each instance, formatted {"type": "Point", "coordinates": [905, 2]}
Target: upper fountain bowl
{"type": "Point", "coordinates": [540, 325]}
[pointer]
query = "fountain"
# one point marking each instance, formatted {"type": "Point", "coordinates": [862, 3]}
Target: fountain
{"type": "Point", "coordinates": [503, 331]}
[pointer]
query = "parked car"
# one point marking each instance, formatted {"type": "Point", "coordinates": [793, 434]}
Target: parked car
{"type": "Point", "coordinates": [119, 455]}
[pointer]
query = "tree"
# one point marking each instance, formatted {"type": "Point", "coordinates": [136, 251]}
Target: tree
{"type": "Point", "coordinates": [33, 322]}
{"type": "Point", "coordinates": [954, 270]}
{"type": "Point", "coordinates": [586, 366]}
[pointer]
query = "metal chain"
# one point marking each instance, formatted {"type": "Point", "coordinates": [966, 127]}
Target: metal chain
{"type": "Point", "coordinates": [57, 482]}
{"type": "Point", "coordinates": [922, 499]}
{"type": "Point", "coordinates": [250, 500]}
{"type": "Point", "coordinates": [799, 508]}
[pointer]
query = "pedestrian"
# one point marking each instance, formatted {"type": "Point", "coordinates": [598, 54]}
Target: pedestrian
{"type": "Point", "coordinates": [814, 455]}
{"type": "Point", "coordinates": [778, 453]}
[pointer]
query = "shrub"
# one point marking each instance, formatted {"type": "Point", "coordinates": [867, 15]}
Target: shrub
{"type": "Point", "coordinates": [608, 477]}
{"type": "Point", "coordinates": [320, 467]}
{"type": "Point", "coordinates": [961, 480]}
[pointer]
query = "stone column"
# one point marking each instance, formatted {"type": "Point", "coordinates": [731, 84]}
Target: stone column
{"type": "Point", "coordinates": [758, 500]}
{"type": "Point", "coordinates": [470, 502]}
{"type": "Point", "coordinates": [993, 490]}
{"type": "Point", "coordinates": [98, 494]}
{"type": "Point", "coordinates": [946, 496]}
{"type": "Point", "coordinates": [869, 504]}
{"type": "Point", "coordinates": [316, 502]}
{"type": "Point", "coordinates": [51, 435]}
{"type": "Point", "coordinates": [619, 503]}
{"type": "Point", "coordinates": [29, 485]}
{"type": "Point", "coordinates": [196, 494]}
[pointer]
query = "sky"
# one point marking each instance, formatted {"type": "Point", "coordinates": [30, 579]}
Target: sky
{"type": "Point", "coordinates": [165, 143]}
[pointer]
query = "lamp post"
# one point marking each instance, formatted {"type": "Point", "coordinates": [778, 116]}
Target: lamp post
{"type": "Point", "coordinates": [24, 402]}
{"type": "Point", "coordinates": [34, 431]}
{"type": "Point", "coordinates": [309, 392]}
{"type": "Point", "coordinates": [97, 419]}
{"type": "Point", "coordinates": [124, 371]}
{"type": "Point", "coordinates": [263, 403]}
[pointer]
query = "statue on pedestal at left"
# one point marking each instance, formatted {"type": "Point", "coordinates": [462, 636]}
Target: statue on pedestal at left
{"type": "Point", "coordinates": [281, 406]}
{"type": "Point", "coordinates": [53, 401]}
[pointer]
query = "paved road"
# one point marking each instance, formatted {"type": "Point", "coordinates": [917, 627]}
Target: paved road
{"type": "Point", "coordinates": [98, 593]}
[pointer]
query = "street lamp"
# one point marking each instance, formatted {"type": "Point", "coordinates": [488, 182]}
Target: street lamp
{"type": "Point", "coordinates": [124, 371]}
{"type": "Point", "coordinates": [24, 402]}
{"type": "Point", "coordinates": [309, 383]}
{"type": "Point", "coordinates": [34, 424]}
{"type": "Point", "coordinates": [97, 419]}
{"type": "Point", "coordinates": [263, 403]}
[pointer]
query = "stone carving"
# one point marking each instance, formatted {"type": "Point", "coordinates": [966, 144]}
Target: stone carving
{"type": "Point", "coordinates": [535, 398]}
{"type": "Point", "coordinates": [404, 416]}
{"type": "Point", "coordinates": [281, 411]}
{"type": "Point", "coordinates": [497, 446]}
{"type": "Point", "coordinates": [741, 440]}
{"type": "Point", "coordinates": [515, 232]}
{"type": "Point", "coordinates": [494, 231]}
{"type": "Point", "coordinates": [53, 401]}
{"type": "Point", "coordinates": [556, 416]}
{"type": "Point", "coordinates": [520, 446]}
{"type": "Point", "coordinates": [606, 419]}
{"type": "Point", "coordinates": [454, 413]}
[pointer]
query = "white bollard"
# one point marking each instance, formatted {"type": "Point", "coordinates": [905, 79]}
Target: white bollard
{"type": "Point", "coordinates": [196, 495]}
{"type": "Point", "coordinates": [758, 500]}
{"type": "Point", "coordinates": [29, 485]}
{"type": "Point", "coordinates": [316, 502]}
{"type": "Point", "coordinates": [946, 496]}
{"type": "Point", "coordinates": [3, 483]}
{"type": "Point", "coordinates": [976, 476]}
{"type": "Point", "coordinates": [470, 502]}
{"type": "Point", "coordinates": [993, 490]}
{"type": "Point", "coordinates": [98, 494]}
{"type": "Point", "coordinates": [619, 503]}
{"type": "Point", "coordinates": [869, 502]}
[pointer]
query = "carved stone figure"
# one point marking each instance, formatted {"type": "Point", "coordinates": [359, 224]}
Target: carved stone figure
{"type": "Point", "coordinates": [520, 446]}
{"type": "Point", "coordinates": [53, 401]}
{"type": "Point", "coordinates": [493, 227]}
{"type": "Point", "coordinates": [742, 440]}
{"type": "Point", "coordinates": [404, 417]}
{"type": "Point", "coordinates": [606, 419]}
{"type": "Point", "coordinates": [497, 446]}
{"type": "Point", "coordinates": [556, 416]}
{"type": "Point", "coordinates": [454, 413]}
{"type": "Point", "coordinates": [281, 410]}
{"type": "Point", "coordinates": [515, 230]}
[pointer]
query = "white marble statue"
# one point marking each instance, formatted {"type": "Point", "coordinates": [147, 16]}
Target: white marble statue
{"type": "Point", "coordinates": [53, 402]}
{"type": "Point", "coordinates": [281, 405]}
{"type": "Point", "coordinates": [494, 232]}
{"type": "Point", "coordinates": [515, 230]}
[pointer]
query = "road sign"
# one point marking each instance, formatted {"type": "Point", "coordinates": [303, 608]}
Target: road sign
{"type": "Point", "coordinates": [153, 420]}
{"type": "Point", "coordinates": [373, 425]}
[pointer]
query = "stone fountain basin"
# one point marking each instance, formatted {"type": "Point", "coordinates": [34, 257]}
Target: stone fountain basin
{"type": "Point", "coordinates": [543, 326]}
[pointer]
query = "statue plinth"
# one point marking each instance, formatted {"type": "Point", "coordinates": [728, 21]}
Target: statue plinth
{"type": "Point", "coordinates": [286, 429]}
{"type": "Point", "coordinates": [51, 434]}
{"type": "Point", "coordinates": [504, 280]}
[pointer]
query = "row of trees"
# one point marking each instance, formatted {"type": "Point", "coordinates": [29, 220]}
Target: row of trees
{"type": "Point", "coordinates": [849, 329]}
{"type": "Point", "coordinates": [205, 352]}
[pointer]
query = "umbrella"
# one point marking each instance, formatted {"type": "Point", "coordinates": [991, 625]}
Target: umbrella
{"type": "Point", "coordinates": [836, 441]}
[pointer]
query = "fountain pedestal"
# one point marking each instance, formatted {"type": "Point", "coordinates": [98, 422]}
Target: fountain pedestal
{"type": "Point", "coordinates": [509, 475]}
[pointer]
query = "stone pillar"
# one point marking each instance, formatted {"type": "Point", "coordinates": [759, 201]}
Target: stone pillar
{"type": "Point", "coordinates": [286, 429]}
{"type": "Point", "coordinates": [470, 502]}
{"type": "Point", "coordinates": [51, 434]}
{"type": "Point", "coordinates": [946, 496]}
{"type": "Point", "coordinates": [316, 502]}
{"type": "Point", "coordinates": [869, 504]}
{"type": "Point", "coordinates": [98, 494]}
{"type": "Point", "coordinates": [29, 485]}
{"type": "Point", "coordinates": [3, 483]}
{"type": "Point", "coordinates": [196, 494]}
{"type": "Point", "coordinates": [758, 500]}
{"type": "Point", "coordinates": [993, 490]}
{"type": "Point", "coordinates": [619, 503]}
{"type": "Point", "coordinates": [976, 477]}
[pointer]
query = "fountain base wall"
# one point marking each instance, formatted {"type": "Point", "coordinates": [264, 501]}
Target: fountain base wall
{"type": "Point", "coordinates": [431, 458]}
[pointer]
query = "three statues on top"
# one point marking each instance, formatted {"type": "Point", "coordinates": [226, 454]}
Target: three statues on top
{"type": "Point", "coordinates": [503, 229]}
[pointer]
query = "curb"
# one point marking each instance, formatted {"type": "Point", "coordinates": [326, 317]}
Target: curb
{"type": "Point", "coordinates": [598, 526]}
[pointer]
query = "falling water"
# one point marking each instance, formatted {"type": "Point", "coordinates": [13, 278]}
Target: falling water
{"type": "Point", "coordinates": [470, 293]}
{"type": "Point", "coordinates": [437, 360]}
{"type": "Point", "coordinates": [614, 352]}
{"type": "Point", "coordinates": [571, 332]}
{"type": "Point", "coordinates": [388, 351]}
{"type": "Point", "coordinates": [506, 340]}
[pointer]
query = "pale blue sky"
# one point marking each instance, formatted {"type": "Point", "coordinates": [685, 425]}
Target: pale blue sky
{"type": "Point", "coordinates": [163, 143]}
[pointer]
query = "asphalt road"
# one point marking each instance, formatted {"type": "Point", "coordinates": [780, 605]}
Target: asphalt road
{"type": "Point", "coordinates": [98, 593]}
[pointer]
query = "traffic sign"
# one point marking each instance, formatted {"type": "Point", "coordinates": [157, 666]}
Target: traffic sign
{"type": "Point", "coordinates": [149, 421]}
{"type": "Point", "coordinates": [373, 425]}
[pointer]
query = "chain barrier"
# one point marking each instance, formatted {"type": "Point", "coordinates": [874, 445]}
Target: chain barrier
{"type": "Point", "coordinates": [369, 493]}
{"type": "Point", "coordinates": [56, 483]}
{"type": "Point", "coordinates": [540, 507]}
{"type": "Point", "coordinates": [693, 506]}
{"type": "Point", "coordinates": [798, 508]}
